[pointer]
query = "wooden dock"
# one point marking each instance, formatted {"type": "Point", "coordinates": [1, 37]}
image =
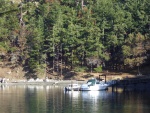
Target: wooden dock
{"type": "Point", "coordinates": [138, 83]}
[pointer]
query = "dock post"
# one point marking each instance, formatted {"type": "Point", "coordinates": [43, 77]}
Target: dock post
{"type": "Point", "coordinates": [112, 88]}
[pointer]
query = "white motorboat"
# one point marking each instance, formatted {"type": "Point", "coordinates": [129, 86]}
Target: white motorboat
{"type": "Point", "coordinates": [94, 85]}
{"type": "Point", "coordinates": [72, 87]}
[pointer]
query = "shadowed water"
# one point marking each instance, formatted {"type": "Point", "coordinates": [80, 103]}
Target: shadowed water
{"type": "Point", "coordinates": [53, 99]}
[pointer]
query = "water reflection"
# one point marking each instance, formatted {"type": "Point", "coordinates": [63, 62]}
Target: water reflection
{"type": "Point", "coordinates": [24, 98]}
{"type": "Point", "coordinates": [87, 101]}
{"type": "Point", "coordinates": [96, 99]}
{"type": "Point", "coordinates": [53, 99]}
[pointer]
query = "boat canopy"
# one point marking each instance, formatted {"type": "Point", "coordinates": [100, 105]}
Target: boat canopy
{"type": "Point", "coordinates": [92, 82]}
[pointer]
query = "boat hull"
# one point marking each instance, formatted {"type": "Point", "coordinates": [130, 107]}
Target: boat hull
{"type": "Point", "coordinates": [85, 87]}
{"type": "Point", "coordinates": [71, 89]}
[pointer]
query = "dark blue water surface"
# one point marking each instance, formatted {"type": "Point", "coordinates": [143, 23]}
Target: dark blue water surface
{"type": "Point", "coordinates": [53, 99]}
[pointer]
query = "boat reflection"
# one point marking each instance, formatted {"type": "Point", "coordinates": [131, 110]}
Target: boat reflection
{"type": "Point", "coordinates": [88, 94]}
{"type": "Point", "coordinates": [90, 100]}
{"type": "Point", "coordinates": [72, 94]}
{"type": "Point", "coordinates": [95, 94]}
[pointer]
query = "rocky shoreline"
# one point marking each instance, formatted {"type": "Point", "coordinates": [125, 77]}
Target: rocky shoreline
{"type": "Point", "coordinates": [41, 82]}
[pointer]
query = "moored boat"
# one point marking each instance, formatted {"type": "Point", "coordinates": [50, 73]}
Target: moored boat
{"type": "Point", "coordinates": [72, 87]}
{"type": "Point", "coordinates": [94, 85]}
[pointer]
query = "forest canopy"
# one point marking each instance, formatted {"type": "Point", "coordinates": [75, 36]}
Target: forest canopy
{"type": "Point", "coordinates": [79, 35]}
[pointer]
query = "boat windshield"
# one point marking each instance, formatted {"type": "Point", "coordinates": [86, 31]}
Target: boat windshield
{"type": "Point", "coordinates": [91, 82]}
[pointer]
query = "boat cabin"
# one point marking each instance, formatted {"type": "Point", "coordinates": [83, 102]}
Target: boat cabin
{"type": "Point", "coordinates": [92, 82]}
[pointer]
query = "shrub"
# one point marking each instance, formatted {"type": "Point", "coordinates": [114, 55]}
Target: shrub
{"type": "Point", "coordinates": [80, 69]}
{"type": "Point", "coordinates": [98, 69]}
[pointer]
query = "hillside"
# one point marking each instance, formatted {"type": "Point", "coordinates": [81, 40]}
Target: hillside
{"type": "Point", "coordinates": [68, 35]}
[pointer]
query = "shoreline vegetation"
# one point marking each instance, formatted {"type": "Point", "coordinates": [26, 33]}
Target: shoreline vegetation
{"type": "Point", "coordinates": [11, 76]}
{"type": "Point", "coordinates": [73, 40]}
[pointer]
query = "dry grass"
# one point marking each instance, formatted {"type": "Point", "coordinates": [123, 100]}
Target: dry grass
{"type": "Point", "coordinates": [18, 73]}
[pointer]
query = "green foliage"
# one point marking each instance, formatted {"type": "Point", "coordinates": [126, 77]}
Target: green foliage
{"type": "Point", "coordinates": [112, 31]}
{"type": "Point", "coordinates": [134, 50]}
{"type": "Point", "coordinates": [80, 69]}
{"type": "Point", "coordinates": [3, 47]}
{"type": "Point", "coordinates": [98, 69]}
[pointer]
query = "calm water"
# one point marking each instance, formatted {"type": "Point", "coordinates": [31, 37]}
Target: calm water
{"type": "Point", "coordinates": [52, 99]}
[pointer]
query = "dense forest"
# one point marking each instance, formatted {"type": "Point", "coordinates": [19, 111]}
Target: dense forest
{"type": "Point", "coordinates": [53, 36]}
